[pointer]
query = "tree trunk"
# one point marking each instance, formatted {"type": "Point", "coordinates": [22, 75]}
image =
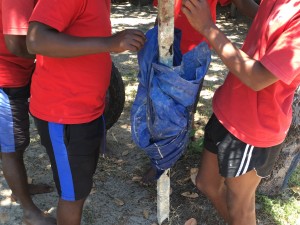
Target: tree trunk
{"type": "Point", "coordinates": [289, 157]}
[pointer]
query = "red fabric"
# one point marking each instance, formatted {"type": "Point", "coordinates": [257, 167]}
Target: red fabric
{"type": "Point", "coordinates": [190, 37]}
{"type": "Point", "coordinates": [14, 14]}
{"type": "Point", "coordinates": [263, 118]}
{"type": "Point", "coordinates": [72, 90]}
{"type": "Point", "coordinates": [224, 2]}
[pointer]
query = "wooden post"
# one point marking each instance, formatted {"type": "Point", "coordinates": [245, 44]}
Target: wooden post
{"type": "Point", "coordinates": [165, 43]}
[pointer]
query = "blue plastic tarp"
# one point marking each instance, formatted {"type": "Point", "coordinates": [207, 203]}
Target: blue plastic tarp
{"type": "Point", "coordinates": [161, 114]}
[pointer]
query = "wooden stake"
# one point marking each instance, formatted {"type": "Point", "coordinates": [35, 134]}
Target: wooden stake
{"type": "Point", "coordinates": [165, 43]}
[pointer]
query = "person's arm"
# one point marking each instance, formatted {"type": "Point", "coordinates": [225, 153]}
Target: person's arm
{"type": "Point", "coordinates": [16, 44]}
{"type": "Point", "coordinates": [44, 40]}
{"type": "Point", "coordinates": [250, 71]}
{"type": "Point", "coordinates": [246, 7]}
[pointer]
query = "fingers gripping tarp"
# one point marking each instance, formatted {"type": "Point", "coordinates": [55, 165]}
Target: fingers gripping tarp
{"type": "Point", "coordinates": [161, 114]}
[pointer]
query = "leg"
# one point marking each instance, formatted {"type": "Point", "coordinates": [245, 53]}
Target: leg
{"type": "Point", "coordinates": [35, 189]}
{"type": "Point", "coordinates": [241, 198]}
{"type": "Point", "coordinates": [39, 188]}
{"type": "Point", "coordinates": [228, 174]}
{"type": "Point", "coordinates": [234, 199]}
{"type": "Point", "coordinates": [15, 174]}
{"type": "Point", "coordinates": [73, 151]}
{"type": "Point", "coordinates": [211, 184]}
{"type": "Point", "coordinates": [14, 138]}
{"type": "Point", "coordinates": [69, 213]}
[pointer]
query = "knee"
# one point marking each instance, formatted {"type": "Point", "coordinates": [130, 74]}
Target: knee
{"type": "Point", "coordinates": [206, 187]}
{"type": "Point", "coordinates": [242, 206]}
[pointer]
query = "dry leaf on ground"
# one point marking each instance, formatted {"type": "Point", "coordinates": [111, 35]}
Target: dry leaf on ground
{"type": "Point", "coordinates": [119, 202]}
{"type": "Point", "coordinates": [136, 179]}
{"type": "Point", "coordinates": [193, 172]}
{"type": "Point", "coordinates": [190, 194]}
{"type": "Point", "coordinates": [125, 153]}
{"type": "Point", "coordinates": [146, 214]}
{"type": "Point", "coordinates": [29, 180]}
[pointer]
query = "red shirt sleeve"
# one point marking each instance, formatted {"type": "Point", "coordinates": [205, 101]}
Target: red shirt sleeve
{"type": "Point", "coordinates": [58, 14]}
{"type": "Point", "coordinates": [16, 15]}
{"type": "Point", "coordinates": [282, 57]}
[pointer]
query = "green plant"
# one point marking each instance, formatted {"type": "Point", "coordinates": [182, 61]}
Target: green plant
{"type": "Point", "coordinates": [196, 146]}
{"type": "Point", "coordinates": [283, 211]}
{"type": "Point", "coordinates": [295, 178]}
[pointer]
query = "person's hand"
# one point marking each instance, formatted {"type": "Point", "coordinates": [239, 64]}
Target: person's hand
{"type": "Point", "coordinates": [131, 39]}
{"type": "Point", "coordinates": [198, 14]}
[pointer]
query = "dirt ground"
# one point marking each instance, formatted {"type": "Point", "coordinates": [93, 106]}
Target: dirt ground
{"type": "Point", "coordinates": [117, 198]}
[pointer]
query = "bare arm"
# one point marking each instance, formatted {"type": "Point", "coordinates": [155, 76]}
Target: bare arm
{"type": "Point", "coordinates": [250, 71]}
{"type": "Point", "coordinates": [44, 40]}
{"type": "Point", "coordinates": [16, 44]}
{"type": "Point", "coordinates": [246, 7]}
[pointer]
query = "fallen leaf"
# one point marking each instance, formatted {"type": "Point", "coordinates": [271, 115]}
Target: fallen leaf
{"type": "Point", "coordinates": [296, 189]}
{"type": "Point", "coordinates": [146, 214]}
{"type": "Point", "coordinates": [125, 153]}
{"type": "Point", "coordinates": [120, 161]}
{"type": "Point", "coordinates": [4, 217]}
{"type": "Point", "coordinates": [119, 202]}
{"type": "Point", "coordinates": [191, 221]}
{"type": "Point", "coordinates": [190, 194]}
{"type": "Point", "coordinates": [136, 179]}
{"type": "Point", "coordinates": [183, 181]}
{"type": "Point", "coordinates": [93, 191]}
{"type": "Point", "coordinates": [193, 173]}
{"type": "Point", "coordinates": [29, 180]}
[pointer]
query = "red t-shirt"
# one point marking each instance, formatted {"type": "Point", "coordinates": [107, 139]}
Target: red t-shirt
{"type": "Point", "coordinates": [72, 90]}
{"type": "Point", "coordinates": [190, 38]}
{"type": "Point", "coordinates": [263, 118]}
{"type": "Point", "coordinates": [14, 15]}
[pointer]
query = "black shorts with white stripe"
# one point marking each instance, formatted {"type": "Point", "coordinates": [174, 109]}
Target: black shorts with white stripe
{"type": "Point", "coordinates": [235, 157]}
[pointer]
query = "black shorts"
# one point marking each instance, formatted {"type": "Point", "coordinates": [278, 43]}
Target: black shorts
{"type": "Point", "coordinates": [14, 119]}
{"type": "Point", "coordinates": [235, 157]}
{"type": "Point", "coordinates": [73, 150]}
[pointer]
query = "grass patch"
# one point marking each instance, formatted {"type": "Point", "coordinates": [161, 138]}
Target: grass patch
{"type": "Point", "coordinates": [295, 178]}
{"type": "Point", "coordinates": [283, 211]}
{"type": "Point", "coordinates": [195, 147]}
{"type": "Point", "coordinates": [285, 208]}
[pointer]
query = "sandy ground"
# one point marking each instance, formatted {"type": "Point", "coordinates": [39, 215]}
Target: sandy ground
{"type": "Point", "coordinates": [117, 198]}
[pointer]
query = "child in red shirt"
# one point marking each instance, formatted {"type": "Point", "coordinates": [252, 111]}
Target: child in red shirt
{"type": "Point", "coordinates": [252, 109]}
{"type": "Point", "coordinates": [191, 38]}
{"type": "Point", "coordinates": [16, 67]}
{"type": "Point", "coordinates": [73, 41]}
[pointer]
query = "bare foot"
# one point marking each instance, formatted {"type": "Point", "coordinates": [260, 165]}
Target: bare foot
{"type": "Point", "coordinates": [149, 178]}
{"type": "Point", "coordinates": [191, 221]}
{"type": "Point", "coordinates": [35, 189]}
{"type": "Point", "coordinates": [37, 217]}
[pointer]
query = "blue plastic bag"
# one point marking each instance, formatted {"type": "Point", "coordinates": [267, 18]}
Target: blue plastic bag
{"type": "Point", "coordinates": [161, 114]}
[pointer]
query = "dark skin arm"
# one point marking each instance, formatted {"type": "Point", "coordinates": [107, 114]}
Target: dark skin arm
{"type": "Point", "coordinates": [16, 44]}
{"type": "Point", "coordinates": [250, 71]}
{"type": "Point", "coordinates": [44, 40]}
{"type": "Point", "coordinates": [246, 7]}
